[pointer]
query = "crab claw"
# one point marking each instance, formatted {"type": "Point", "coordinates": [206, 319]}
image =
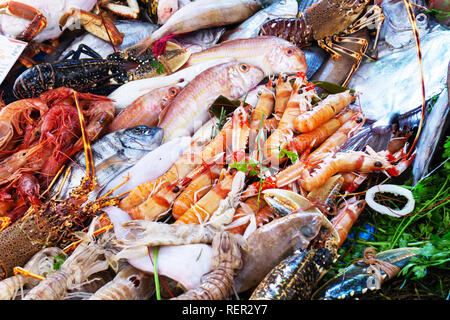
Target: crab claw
{"type": "Point", "coordinates": [38, 21]}
{"type": "Point", "coordinates": [101, 27]}
{"type": "Point", "coordinates": [285, 202]}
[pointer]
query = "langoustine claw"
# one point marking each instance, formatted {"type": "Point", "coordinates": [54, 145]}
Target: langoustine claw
{"type": "Point", "coordinates": [40, 264]}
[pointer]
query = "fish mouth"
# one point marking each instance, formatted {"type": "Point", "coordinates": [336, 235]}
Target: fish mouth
{"type": "Point", "coordinates": [301, 60]}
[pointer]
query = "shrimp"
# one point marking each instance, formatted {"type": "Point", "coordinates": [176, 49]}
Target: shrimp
{"type": "Point", "coordinates": [100, 114]}
{"type": "Point", "coordinates": [179, 169]}
{"type": "Point", "coordinates": [145, 233]}
{"type": "Point", "coordinates": [346, 216]}
{"type": "Point", "coordinates": [195, 190]}
{"type": "Point", "coordinates": [10, 167]}
{"type": "Point", "coordinates": [343, 162]}
{"type": "Point", "coordinates": [160, 202]}
{"type": "Point", "coordinates": [318, 135]}
{"type": "Point", "coordinates": [12, 116]}
{"type": "Point", "coordinates": [246, 209]}
{"type": "Point", "coordinates": [218, 283]}
{"type": "Point", "coordinates": [201, 150]}
{"type": "Point", "coordinates": [327, 148]}
{"type": "Point", "coordinates": [240, 132]}
{"type": "Point", "coordinates": [282, 94]}
{"type": "Point", "coordinates": [252, 206]}
{"type": "Point", "coordinates": [299, 102]}
{"type": "Point", "coordinates": [337, 139]}
{"type": "Point", "coordinates": [352, 181]}
{"type": "Point", "coordinates": [228, 189]}
{"type": "Point", "coordinates": [323, 111]}
{"type": "Point", "coordinates": [129, 284]}
{"type": "Point", "coordinates": [163, 199]}
{"type": "Point", "coordinates": [40, 264]}
{"type": "Point", "coordinates": [262, 110]}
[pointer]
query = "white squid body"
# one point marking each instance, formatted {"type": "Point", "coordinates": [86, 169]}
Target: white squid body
{"type": "Point", "coordinates": [53, 10]}
{"type": "Point", "coordinates": [185, 263]}
{"type": "Point", "coordinates": [149, 167]}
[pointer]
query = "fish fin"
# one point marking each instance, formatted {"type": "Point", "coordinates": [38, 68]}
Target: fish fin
{"type": "Point", "coordinates": [375, 137]}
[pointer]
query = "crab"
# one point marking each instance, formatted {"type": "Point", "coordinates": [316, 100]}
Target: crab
{"type": "Point", "coordinates": [130, 11]}
{"type": "Point", "coordinates": [38, 20]}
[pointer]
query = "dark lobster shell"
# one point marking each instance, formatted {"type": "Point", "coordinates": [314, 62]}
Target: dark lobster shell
{"type": "Point", "coordinates": [356, 280]}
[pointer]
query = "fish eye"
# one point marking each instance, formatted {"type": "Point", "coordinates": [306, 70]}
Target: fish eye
{"type": "Point", "coordinates": [307, 231]}
{"type": "Point", "coordinates": [289, 52]}
{"type": "Point", "coordinates": [244, 67]}
{"type": "Point", "coordinates": [173, 91]}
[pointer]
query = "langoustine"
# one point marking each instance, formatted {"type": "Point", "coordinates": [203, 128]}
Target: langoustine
{"type": "Point", "coordinates": [90, 256]}
{"type": "Point", "coordinates": [40, 264]}
{"type": "Point", "coordinates": [128, 284]}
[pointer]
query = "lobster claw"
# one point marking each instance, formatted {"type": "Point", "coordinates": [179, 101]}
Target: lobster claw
{"type": "Point", "coordinates": [147, 65]}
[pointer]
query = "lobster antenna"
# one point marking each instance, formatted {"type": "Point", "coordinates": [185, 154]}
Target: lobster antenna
{"type": "Point", "coordinates": [412, 20]}
{"type": "Point", "coordinates": [87, 147]}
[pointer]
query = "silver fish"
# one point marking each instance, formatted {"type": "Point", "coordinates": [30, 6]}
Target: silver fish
{"type": "Point", "coordinates": [315, 57]}
{"type": "Point", "coordinates": [431, 135]}
{"type": "Point", "coordinates": [112, 154]}
{"type": "Point", "coordinates": [202, 14]}
{"type": "Point", "coordinates": [250, 27]}
{"type": "Point", "coordinates": [390, 89]}
{"type": "Point", "coordinates": [396, 30]}
{"type": "Point", "coordinates": [201, 39]}
{"type": "Point", "coordinates": [391, 85]}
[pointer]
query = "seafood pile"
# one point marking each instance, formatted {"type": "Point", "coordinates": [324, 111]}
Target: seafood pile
{"type": "Point", "coordinates": [215, 150]}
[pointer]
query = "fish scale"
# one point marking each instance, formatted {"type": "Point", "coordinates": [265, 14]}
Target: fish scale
{"type": "Point", "coordinates": [112, 154]}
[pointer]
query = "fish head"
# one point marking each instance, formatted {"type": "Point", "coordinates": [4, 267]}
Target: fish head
{"type": "Point", "coordinates": [141, 137]}
{"type": "Point", "coordinates": [166, 9]}
{"type": "Point", "coordinates": [243, 77]}
{"type": "Point", "coordinates": [169, 93]}
{"type": "Point", "coordinates": [285, 57]}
